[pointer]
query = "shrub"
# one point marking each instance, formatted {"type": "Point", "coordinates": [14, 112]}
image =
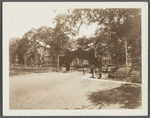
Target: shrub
{"type": "Point", "coordinates": [136, 79]}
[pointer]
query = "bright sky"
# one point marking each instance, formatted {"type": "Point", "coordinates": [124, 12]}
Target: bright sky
{"type": "Point", "coordinates": [22, 20]}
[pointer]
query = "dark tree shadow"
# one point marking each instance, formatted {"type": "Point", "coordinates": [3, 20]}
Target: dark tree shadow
{"type": "Point", "coordinates": [128, 96]}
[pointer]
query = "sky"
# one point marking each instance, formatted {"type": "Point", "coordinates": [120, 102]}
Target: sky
{"type": "Point", "coordinates": [23, 20]}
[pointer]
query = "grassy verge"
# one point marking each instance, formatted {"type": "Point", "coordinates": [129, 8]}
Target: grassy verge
{"type": "Point", "coordinates": [128, 78]}
{"type": "Point", "coordinates": [29, 70]}
{"type": "Point", "coordinates": [120, 75]}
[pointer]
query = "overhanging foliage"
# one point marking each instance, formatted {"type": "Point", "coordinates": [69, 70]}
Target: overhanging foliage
{"type": "Point", "coordinates": [81, 54]}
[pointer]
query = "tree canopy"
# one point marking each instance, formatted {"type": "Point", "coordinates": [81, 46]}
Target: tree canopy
{"type": "Point", "coordinates": [114, 28]}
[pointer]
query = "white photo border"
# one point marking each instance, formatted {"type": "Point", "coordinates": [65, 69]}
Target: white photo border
{"type": "Point", "coordinates": [7, 6]}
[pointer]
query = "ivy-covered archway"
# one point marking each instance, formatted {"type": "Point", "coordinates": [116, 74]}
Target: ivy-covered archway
{"type": "Point", "coordinates": [81, 54]}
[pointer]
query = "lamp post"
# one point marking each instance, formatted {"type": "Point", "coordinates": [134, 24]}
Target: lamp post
{"type": "Point", "coordinates": [100, 64]}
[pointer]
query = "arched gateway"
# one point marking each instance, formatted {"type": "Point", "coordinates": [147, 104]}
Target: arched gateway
{"type": "Point", "coordinates": [80, 54]}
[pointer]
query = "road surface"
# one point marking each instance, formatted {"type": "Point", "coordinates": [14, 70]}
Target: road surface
{"type": "Point", "coordinates": [69, 91]}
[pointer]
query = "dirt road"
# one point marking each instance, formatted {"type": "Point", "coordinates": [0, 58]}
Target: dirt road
{"type": "Point", "coordinates": [70, 91]}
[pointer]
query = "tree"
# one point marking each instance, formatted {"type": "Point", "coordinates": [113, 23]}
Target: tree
{"type": "Point", "coordinates": [23, 45]}
{"type": "Point", "coordinates": [83, 42]}
{"type": "Point", "coordinates": [56, 38]}
{"type": "Point", "coordinates": [13, 46]}
{"type": "Point", "coordinates": [27, 47]}
{"type": "Point", "coordinates": [116, 27]}
{"type": "Point", "coordinates": [53, 40]}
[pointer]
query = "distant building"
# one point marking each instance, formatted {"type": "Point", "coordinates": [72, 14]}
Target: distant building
{"type": "Point", "coordinates": [78, 61]}
{"type": "Point", "coordinates": [106, 60]}
{"type": "Point", "coordinates": [42, 58]}
{"type": "Point", "coordinates": [46, 58]}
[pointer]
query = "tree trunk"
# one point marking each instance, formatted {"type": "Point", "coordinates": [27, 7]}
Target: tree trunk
{"type": "Point", "coordinates": [122, 59]}
{"type": "Point", "coordinates": [140, 71]}
{"type": "Point", "coordinates": [34, 62]}
{"type": "Point", "coordinates": [58, 63]}
{"type": "Point", "coordinates": [67, 67]}
{"type": "Point", "coordinates": [117, 61]}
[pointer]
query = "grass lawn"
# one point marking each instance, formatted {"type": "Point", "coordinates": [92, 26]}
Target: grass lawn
{"type": "Point", "coordinates": [29, 70]}
{"type": "Point", "coordinates": [120, 75]}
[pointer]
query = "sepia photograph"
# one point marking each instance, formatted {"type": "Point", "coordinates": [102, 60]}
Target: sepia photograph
{"type": "Point", "coordinates": [75, 58]}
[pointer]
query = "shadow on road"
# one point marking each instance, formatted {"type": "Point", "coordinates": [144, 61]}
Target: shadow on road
{"type": "Point", "coordinates": [127, 96]}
